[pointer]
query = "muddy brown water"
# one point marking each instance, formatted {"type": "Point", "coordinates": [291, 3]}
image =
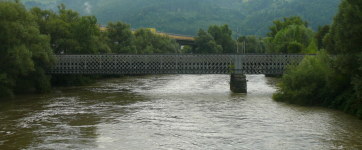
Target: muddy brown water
{"type": "Point", "coordinates": [171, 112]}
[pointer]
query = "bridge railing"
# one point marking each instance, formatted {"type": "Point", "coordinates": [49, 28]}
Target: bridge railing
{"type": "Point", "coordinates": [175, 64]}
{"type": "Point", "coordinates": [265, 63]}
{"type": "Point", "coordinates": [142, 64]}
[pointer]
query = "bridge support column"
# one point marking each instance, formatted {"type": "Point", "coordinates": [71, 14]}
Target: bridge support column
{"type": "Point", "coordinates": [238, 83]}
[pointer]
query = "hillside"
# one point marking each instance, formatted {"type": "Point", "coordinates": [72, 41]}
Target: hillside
{"type": "Point", "coordinates": [252, 17]}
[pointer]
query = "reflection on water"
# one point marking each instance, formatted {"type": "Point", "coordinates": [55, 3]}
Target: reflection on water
{"type": "Point", "coordinates": [171, 112]}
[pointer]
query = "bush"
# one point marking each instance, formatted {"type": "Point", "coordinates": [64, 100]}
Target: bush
{"type": "Point", "coordinates": [305, 84]}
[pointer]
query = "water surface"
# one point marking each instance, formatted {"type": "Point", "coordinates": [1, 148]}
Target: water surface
{"type": "Point", "coordinates": [171, 112]}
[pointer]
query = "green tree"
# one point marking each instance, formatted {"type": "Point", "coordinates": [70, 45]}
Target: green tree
{"type": "Point", "coordinates": [305, 84]}
{"type": "Point", "coordinates": [148, 42]}
{"type": "Point", "coordinates": [278, 25]}
{"type": "Point", "coordinates": [294, 47]}
{"type": "Point", "coordinates": [24, 52]}
{"type": "Point", "coordinates": [320, 35]}
{"type": "Point", "coordinates": [222, 37]}
{"type": "Point", "coordinates": [332, 81]}
{"type": "Point", "coordinates": [344, 41]}
{"type": "Point", "coordinates": [69, 32]}
{"type": "Point", "coordinates": [269, 45]}
{"type": "Point", "coordinates": [121, 37]}
{"type": "Point", "coordinates": [312, 48]}
{"type": "Point", "coordinates": [85, 32]}
{"type": "Point", "coordinates": [186, 49]}
{"type": "Point", "coordinates": [206, 43]}
{"type": "Point", "coordinates": [254, 45]}
{"type": "Point", "coordinates": [292, 33]}
{"type": "Point", "coordinates": [102, 44]}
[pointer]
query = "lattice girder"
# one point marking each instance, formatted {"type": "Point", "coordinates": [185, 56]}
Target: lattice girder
{"type": "Point", "coordinates": [265, 63]}
{"type": "Point", "coordinates": [174, 64]}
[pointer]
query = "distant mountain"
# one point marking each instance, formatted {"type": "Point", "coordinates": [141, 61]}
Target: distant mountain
{"type": "Point", "coordinates": [252, 17]}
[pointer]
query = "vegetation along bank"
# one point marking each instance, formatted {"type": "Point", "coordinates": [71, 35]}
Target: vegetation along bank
{"type": "Point", "coordinates": [333, 79]}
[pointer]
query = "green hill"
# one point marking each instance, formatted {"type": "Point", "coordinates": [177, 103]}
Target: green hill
{"type": "Point", "coordinates": [252, 17]}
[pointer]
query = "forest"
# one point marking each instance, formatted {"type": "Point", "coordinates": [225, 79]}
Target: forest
{"type": "Point", "coordinates": [251, 17]}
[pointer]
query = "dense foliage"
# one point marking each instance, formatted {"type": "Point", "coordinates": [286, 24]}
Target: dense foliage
{"type": "Point", "coordinates": [206, 43]}
{"type": "Point", "coordinates": [292, 35]}
{"type": "Point", "coordinates": [146, 42]}
{"type": "Point", "coordinates": [70, 33]}
{"type": "Point", "coordinates": [29, 40]}
{"type": "Point", "coordinates": [24, 51]}
{"type": "Point", "coordinates": [217, 39]}
{"type": "Point", "coordinates": [120, 37]}
{"type": "Point", "coordinates": [222, 37]}
{"type": "Point", "coordinates": [332, 79]}
{"type": "Point", "coordinates": [289, 36]}
{"type": "Point", "coordinates": [252, 17]}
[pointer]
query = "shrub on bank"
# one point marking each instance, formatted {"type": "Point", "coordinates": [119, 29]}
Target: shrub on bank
{"type": "Point", "coordinates": [315, 82]}
{"type": "Point", "coordinates": [305, 84]}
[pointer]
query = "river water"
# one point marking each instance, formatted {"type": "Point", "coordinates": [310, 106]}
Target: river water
{"type": "Point", "coordinates": [171, 112]}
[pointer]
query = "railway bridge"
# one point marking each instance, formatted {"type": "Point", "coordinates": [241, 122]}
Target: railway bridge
{"type": "Point", "coordinates": [235, 64]}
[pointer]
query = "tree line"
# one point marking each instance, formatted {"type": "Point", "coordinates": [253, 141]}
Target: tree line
{"type": "Point", "coordinates": [252, 17]}
{"type": "Point", "coordinates": [30, 38]}
{"type": "Point", "coordinates": [290, 35]}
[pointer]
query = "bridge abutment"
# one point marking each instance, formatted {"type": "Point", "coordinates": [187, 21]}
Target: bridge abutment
{"type": "Point", "coordinates": [238, 83]}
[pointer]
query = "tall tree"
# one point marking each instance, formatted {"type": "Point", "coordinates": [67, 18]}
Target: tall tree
{"type": "Point", "coordinates": [333, 80]}
{"type": "Point", "coordinates": [69, 32]}
{"type": "Point", "coordinates": [322, 31]}
{"type": "Point", "coordinates": [222, 37]}
{"type": "Point", "coordinates": [253, 44]}
{"type": "Point", "coordinates": [292, 33]}
{"type": "Point", "coordinates": [206, 43]}
{"type": "Point", "coordinates": [278, 25]}
{"type": "Point", "coordinates": [344, 41]}
{"type": "Point", "coordinates": [121, 37]}
{"type": "Point", "coordinates": [147, 42]}
{"type": "Point", "coordinates": [24, 52]}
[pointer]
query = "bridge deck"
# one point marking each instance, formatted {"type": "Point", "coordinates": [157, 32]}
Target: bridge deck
{"type": "Point", "coordinates": [174, 64]}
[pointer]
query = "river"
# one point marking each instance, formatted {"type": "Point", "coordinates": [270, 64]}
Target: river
{"type": "Point", "coordinates": [171, 112]}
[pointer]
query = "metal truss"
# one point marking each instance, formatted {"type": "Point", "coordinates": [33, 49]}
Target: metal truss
{"type": "Point", "coordinates": [174, 64]}
{"type": "Point", "coordinates": [265, 63]}
{"type": "Point", "coordinates": [142, 64]}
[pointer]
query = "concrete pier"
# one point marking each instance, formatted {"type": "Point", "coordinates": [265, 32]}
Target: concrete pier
{"type": "Point", "coordinates": [238, 83]}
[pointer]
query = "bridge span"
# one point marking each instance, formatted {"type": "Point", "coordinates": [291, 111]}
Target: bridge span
{"type": "Point", "coordinates": [235, 64]}
{"type": "Point", "coordinates": [175, 64]}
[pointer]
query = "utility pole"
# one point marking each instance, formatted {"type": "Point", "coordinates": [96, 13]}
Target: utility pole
{"type": "Point", "coordinates": [244, 47]}
{"type": "Point", "coordinates": [237, 40]}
